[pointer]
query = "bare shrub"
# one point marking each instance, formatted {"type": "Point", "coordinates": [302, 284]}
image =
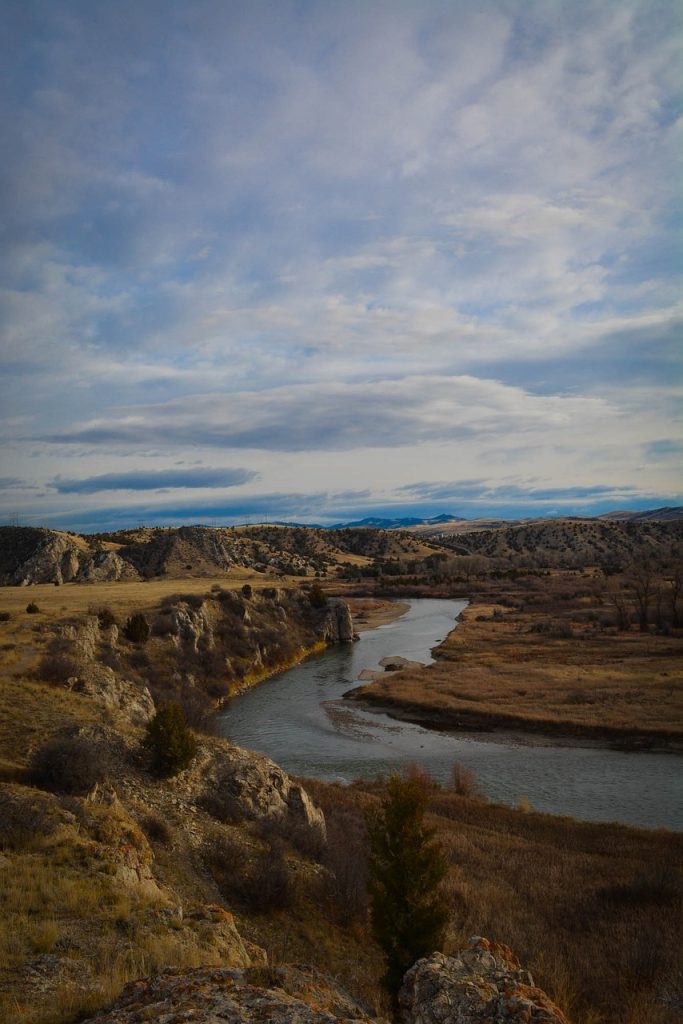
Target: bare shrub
{"type": "Point", "coordinates": [5, 616]}
{"type": "Point", "coordinates": [269, 884]}
{"type": "Point", "coordinates": [57, 668]}
{"type": "Point", "coordinates": [66, 764]}
{"type": "Point", "coordinates": [346, 859]}
{"type": "Point", "coordinates": [157, 829]}
{"type": "Point", "coordinates": [465, 781]}
{"type": "Point", "coordinates": [32, 608]}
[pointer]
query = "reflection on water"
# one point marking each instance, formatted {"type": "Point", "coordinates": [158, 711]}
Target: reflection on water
{"type": "Point", "coordinates": [299, 720]}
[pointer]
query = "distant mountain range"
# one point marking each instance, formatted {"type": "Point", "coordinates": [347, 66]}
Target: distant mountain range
{"type": "Point", "coordinates": [377, 523]}
{"type": "Point", "coordinates": [657, 515]}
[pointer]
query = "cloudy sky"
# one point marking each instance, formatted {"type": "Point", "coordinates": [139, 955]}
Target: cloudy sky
{"type": "Point", "coordinates": [313, 260]}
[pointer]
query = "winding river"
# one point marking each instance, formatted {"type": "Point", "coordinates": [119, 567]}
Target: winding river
{"type": "Point", "coordinates": [299, 720]}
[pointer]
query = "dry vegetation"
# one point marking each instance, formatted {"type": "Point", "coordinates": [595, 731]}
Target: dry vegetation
{"type": "Point", "coordinates": [595, 911]}
{"type": "Point", "coordinates": [543, 654]}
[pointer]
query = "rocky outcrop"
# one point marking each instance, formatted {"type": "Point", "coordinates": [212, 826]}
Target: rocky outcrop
{"type": "Point", "coordinates": [83, 637]}
{"type": "Point", "coordinates": [190, 627]}
{"type": "Point", "coordinates": [123, 695]}
{"type": "Point", "coordinates": [56, 560]}
{"type": "Point", "coordinates": [221, 996]}
{"type": "Point", "coordinates": [337, 625]}
{"type": "Point", "coordinates": [127, 850]}
{"type": "Point", "coordinates": [481, 985]}
{"type": "Point", "coordinates": [106, 567]}
{"type": "Point", "coordinates": [233, 783]}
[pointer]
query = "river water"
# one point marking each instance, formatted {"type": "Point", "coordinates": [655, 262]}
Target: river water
{"type": "Point", "coordinates": [299, 720]}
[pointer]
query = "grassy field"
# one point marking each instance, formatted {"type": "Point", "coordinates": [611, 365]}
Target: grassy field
{"type": "Point", "coordinates": [542, 660]}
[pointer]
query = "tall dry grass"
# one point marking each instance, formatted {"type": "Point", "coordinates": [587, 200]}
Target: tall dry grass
{"type": "Point", "coordinates": [594, 911]}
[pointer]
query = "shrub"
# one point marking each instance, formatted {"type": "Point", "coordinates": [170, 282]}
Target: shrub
{"type": "Point", "coordinates": [247, 591]}
{"type": "Point", "coordinates": [106, 618]}
{"type": "Point", "coordinates": [5, 616]}
{"type": "Point", "coordinates": [317, 596]}
{"type": "Point", "coordinates": [32, 608]}
{"type": "Point", "coordinates": [464, 780]}
{"type": "Point", "coordinates": [157, 829]}
{"type": "Point", "coordinates": [57, 668]}
{"type": "Point", "coordinates": [170, 740]}
{"type": "Point", "coordinates": [66, 764]}
{"type": "Point", "coordinates": [137, 629]}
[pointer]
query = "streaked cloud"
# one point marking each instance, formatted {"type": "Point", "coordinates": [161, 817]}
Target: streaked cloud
{"type": "Point", "coordinates": [154, 480]}
{"type": "Point", "coordinates": [397, 235]}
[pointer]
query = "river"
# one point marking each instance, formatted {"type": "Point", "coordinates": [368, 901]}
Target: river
{"type": "Point", "coordinates": [299, 720]}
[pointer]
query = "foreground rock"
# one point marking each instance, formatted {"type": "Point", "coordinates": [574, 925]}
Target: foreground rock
{"type": "Point", "coordinates": [483, 984]}
{"type": "Point", "coordinates": [220, 996]}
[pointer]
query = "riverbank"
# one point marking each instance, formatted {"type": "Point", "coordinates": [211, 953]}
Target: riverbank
{"type": "Point", "coordinates": [544, 670]}
{"type": "Point", "coordinates": [372, 612]}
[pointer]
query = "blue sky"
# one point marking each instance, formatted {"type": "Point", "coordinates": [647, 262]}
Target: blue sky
{"type": "Point", "coordinates": [316, 260]}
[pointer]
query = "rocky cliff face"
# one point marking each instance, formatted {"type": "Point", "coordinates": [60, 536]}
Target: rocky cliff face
{"type": "Point", "coordinates": [337, 625]}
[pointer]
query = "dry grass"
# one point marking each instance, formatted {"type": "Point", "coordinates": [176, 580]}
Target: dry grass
{"type": "Point", "coordinates": [547, 668]}
{"type": "Point", "coordinates": [122, 597]}
{"type": "Point", "coordinates": [594, 911]}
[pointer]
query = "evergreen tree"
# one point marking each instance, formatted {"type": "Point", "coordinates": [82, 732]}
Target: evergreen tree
{"type": "Point", "coordinates": [170, 740]}
{"type": "Point", "coordinates": [409, 912]}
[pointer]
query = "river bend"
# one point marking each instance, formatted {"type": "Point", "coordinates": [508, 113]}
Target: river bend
{"type": "Point", "coordinates": [299, 720]}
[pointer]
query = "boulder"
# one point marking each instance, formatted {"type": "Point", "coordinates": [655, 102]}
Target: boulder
{"type": "Point", "coordinates": [82, 637]}
{"type": "Point", "coordinates": [482, 984]}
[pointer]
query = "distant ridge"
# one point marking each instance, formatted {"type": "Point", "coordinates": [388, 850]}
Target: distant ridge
{"type": "Point", "coordinates": [377, 523]}
{"type": "Point", "coordinates": [655, 515]}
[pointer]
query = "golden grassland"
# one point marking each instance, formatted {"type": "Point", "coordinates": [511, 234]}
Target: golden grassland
{"type": "Point", "coordinates": [546, 667]}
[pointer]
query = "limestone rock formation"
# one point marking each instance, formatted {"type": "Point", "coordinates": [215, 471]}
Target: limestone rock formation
{"type": "Point", "coordinates": [234, 783]}
{"type": "Point", "coordinates": [481, 985]}
{"type": "Point", "coordinates": [106, 567]}
{"type": "Point", "coordinates": [102, 684]}
{"type": "Point", "coordinates": [224, 996]}
{"type": "Point", "coordinates": [83, 637]}
{"type": "Point", "coordinates": [191, 627]}
{"type": "Point", "coordinates": [337, 626]}
{"type": "Point", "coordinates": [56, 560]}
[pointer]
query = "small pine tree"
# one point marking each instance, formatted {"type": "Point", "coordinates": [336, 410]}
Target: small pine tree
{"type": "Point", "coordinates": [137, 629]}
{"type": "Point", "coordinates": [170, 740]}
{"type": "Point", "coordinates": [408, 910]}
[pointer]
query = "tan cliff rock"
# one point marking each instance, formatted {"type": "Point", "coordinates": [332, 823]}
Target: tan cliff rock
{"type": "Point", "coordinates": [236, 783]}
